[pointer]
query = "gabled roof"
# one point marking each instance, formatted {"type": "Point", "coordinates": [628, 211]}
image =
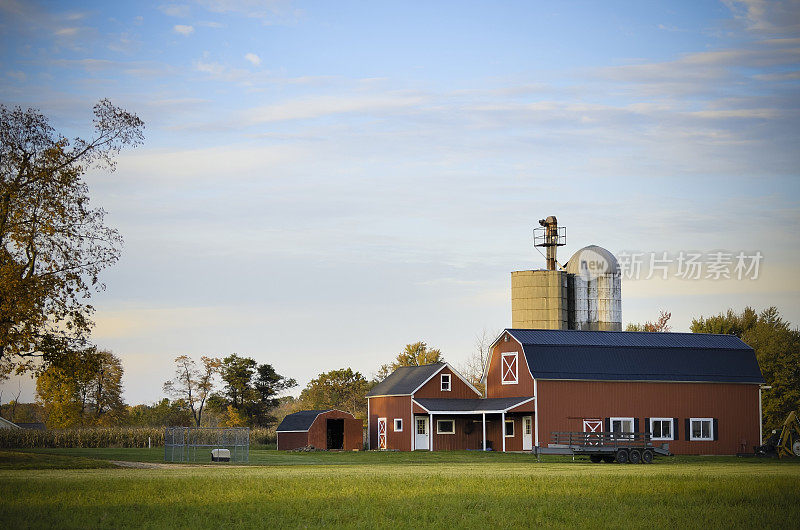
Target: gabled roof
{"type": "Point", "coordinates": [470, 405]}
{"type": "Point", "coordinates": [300, 421]}
{"type": "Point", "coordinates": [405, 380]}
{"type": "Point", "coordinates": [5, 424]}
{"type": "Point", "coordinates": [637, 356]}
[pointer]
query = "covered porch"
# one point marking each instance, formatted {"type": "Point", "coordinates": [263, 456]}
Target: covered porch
{"type": "Point", "coordinates": [498, 424]}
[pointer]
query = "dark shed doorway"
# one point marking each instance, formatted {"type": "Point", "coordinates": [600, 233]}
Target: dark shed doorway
{"type": "Point", "coordinates": [335, 429]}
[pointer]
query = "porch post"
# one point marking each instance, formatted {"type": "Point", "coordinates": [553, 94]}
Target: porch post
{"type": "Point", "coordinates": [503, 430]}
{"type": "Point", "coordinates": [484, 431]}
{"type": "Point", "coordinates": [430, 432]}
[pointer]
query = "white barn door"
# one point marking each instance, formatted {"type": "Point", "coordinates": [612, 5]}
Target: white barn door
{"type": "Point", "coordinates": [421, 432]}
{"type": "Point", "coordinates": [381, 433]}
{"type": "Point", "coordinates": [527, 433]}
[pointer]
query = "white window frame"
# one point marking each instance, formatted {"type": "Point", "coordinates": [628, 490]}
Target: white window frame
{"type": "Point", "coordinates": [671, 429]}
{"type": "Point", "coordinates": [449, 379]}
{"type": "Point", "coordinates": [710, 430]}
{"type": "Point", "coordinates": [439, 428]}
{"type": "Point", "coordinates": [505, 430]}
{"type": "Point", "coordinates": [627, 434]}
{"type": "Point", "coordinates": [503, 368]}
{"type": "Point", "coordinates": [396, 422]}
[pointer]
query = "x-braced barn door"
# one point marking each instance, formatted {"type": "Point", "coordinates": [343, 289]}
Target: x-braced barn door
{"type": "Point", "coordinates": [381, 433]}
{"type": "Point", "coordinates": [593, 426]}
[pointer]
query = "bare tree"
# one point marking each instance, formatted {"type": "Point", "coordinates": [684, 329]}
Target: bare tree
{"type": "Point", "coordinates": [475, 365]}
{"type": "Point", "coordinates": [193, 384]}
{"type": "Point", "coordinates": [15, 401]}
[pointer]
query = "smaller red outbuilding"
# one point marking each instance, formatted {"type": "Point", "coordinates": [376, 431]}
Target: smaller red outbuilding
{"type": "Point", "coordinates": [324, 429]}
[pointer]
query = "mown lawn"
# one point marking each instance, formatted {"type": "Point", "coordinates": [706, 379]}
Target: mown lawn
{"type": "Point", "coordinates": [407, 490]}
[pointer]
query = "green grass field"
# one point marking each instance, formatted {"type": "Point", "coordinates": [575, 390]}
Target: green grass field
{"type": "Point", "coordinates": [393, 489]}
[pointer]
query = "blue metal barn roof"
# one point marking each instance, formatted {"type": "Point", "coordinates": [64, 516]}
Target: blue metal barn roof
{"type": "Point", "coordinates": [300, 421]}
{"type": "Point", "coordinates": [637, 356]}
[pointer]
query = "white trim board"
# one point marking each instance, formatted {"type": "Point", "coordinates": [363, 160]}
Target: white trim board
{"type": "Point", "coordinates": [445, 365]}
{"type": "Point", "coordinates": [493, 411]}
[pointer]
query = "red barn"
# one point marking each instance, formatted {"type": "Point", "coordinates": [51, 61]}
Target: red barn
{"type": "Point", "coordinates": [698, 392]}
{"type": "Point", "coordinates": [324, 429]}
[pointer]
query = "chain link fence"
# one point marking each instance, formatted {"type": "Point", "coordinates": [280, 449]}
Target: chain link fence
{"type": "Point", "coordinates": [195, 444]}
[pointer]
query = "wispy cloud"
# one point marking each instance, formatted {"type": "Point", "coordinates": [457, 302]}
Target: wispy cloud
{"type": "Point", "coordinates": [253, 58]}
{"type": "Point", "coordinates": [175, 10]}
{"type": "Point", "coordinates": [268, 11]}
{"type": "Point", "coordinates": [774, 17]}
{"type": "Point", "coordinates": [183, 30]}
{"type": "Point", "coordinates": [318, 106]}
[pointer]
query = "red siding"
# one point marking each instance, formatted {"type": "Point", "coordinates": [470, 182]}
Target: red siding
{"type": "Point", "coordinates": [292, 440]}
{"type": "Point", "coordinates": [390, 407]}
{"type": "Point", "coordinates": [433, 388]}
{"type": "Point", "coordinates": [564, 404]}
{"type": "Point", "coordinates": [494, 386]}
{"type": "Point", "coordinates": [353, 434]}
{"type": "Point", "coordinates": [461, 440]}
{"type": "Point", "coordinates": [469, 433]}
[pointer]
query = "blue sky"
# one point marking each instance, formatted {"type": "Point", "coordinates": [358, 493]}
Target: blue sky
{"type": "Point", "coordinates": [324, 182]}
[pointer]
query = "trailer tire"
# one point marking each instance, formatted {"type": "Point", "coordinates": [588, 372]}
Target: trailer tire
{"type": "Point", "coordinates": [635, 456]}
{"type": "Point", "coordinates": [622, 456]}
{"type": "Point", "coordinates": [595, 459]}
{"type": "Point", "coordinates": [647, 456]}
{"type": "Point", "coordinates": [608, 459]}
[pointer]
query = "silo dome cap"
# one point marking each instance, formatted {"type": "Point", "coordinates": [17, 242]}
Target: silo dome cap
{"type": "Point", "coordinates": [591, 262]}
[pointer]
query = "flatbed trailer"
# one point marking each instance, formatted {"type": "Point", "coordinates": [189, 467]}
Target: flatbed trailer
{"type": "Point", "coordinates": [625, 448]}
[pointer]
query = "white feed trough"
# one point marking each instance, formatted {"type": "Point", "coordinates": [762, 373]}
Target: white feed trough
{"type": "Point", "coordinates": [220, 455]}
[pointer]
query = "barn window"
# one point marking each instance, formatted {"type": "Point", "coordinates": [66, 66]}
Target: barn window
{"type": "Point", "coordinates": [398, 425]}
{"type": "Point", "coordinates": [622, 425]}
{"type": "Point", "coordinates": [661, 429]}
{"type": "Point", "coordinates": [445, 383]}
{"type": "Point", "coordinates": [445, 427]}
{"type": "Point", "coordinates": [701, 429]}
{"type": "Point", "coordinates": [509, 428]}
{"type": "Point", "coordinates": [508, 369]}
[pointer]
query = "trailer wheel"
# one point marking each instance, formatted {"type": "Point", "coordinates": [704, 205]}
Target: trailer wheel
{"type": "Point", "coordinates": [622, 456]}
{"type": "Point", "coordinates": [608, 459]}
{"type": "Point", "coordinates": [595, 459]}
{"type": "Point", "coordinates": [647, 456]}
{"type": "Point", "coordinates": [635, 456]}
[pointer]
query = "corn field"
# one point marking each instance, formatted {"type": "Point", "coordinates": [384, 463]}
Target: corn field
{"type": "Point", "coordinates": [103, 437]}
